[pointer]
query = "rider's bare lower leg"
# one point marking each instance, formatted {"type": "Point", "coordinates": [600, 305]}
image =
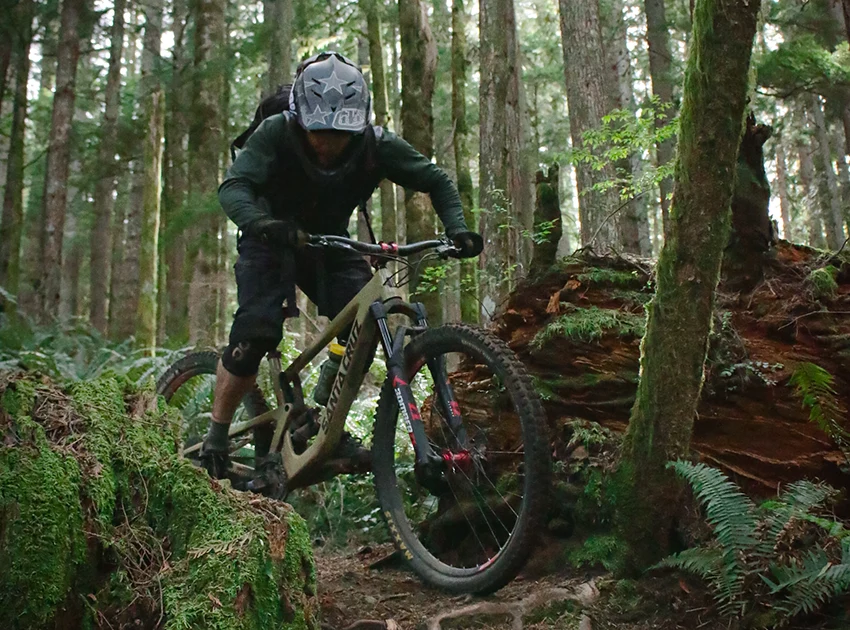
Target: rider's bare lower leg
{"type": "Point", "coordinates": [229, 390]}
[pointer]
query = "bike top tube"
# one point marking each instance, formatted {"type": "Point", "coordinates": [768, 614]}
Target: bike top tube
{"type": "Point", "coordinates": [444, 246]}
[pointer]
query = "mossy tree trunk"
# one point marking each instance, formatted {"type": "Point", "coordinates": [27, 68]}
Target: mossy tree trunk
{"type": "Point", "coordinates": [278, 19]}
{"type": "Point", "coordinates": [176, 180]}
{"type": "Point", "coordinates": [782, 191]}
{"type": "Point", "coordinates": [100, 261]}
{"type": "Point", "coordinates": [73, 15]}
{"type": "Point", "coordinates": [547, 218]}
{"type": "Point", "coordinates": [679, 316]}
{"type": "Point", "coordinates": [100, 520]}
{"type": "Point", "coordinates": [11, 225]}
{"type": "Point", "coordinates": [154, 122]}
{"type": "Point", "coordinates": [205, 147]}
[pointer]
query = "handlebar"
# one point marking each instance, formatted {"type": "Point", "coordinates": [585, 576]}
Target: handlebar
{"type": "Point", "coordinates": [444, 247]}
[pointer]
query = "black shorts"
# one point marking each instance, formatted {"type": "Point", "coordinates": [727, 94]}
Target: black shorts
{"type": "Point", "coordinates": [262, 275]}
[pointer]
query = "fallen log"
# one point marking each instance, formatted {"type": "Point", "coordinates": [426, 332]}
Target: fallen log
{"type": "Point", "coordinates": [102, 525]}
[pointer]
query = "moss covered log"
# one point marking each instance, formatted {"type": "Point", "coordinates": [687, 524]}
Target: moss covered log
{"type": "Point", "coordinates": [679, 316]}
{"type": "Point", "coordinates": [102, 525]}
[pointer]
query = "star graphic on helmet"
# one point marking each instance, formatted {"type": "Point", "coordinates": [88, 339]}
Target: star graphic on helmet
{"type": "Point", "coordinates": [318, 116]}
{"type": "Point", "coordinates": [333, 83]}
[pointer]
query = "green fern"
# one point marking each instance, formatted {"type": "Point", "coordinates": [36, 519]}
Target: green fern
{"type": "Point", "coordinates": [816, 388]}
{"type": "Point", "coordinates": [744, 551]}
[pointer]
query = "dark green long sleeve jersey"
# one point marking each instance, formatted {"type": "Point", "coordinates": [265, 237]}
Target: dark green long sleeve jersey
{"type": "Point", "coordinates": [268, 179]}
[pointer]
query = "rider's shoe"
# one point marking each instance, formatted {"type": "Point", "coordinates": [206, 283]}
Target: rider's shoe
{"type": "Point", "coordinates": [351, 448]}
{"type": "Point", "coordinates": [269, 478]}
{"type": "Point", "coordinates": [215, 461]}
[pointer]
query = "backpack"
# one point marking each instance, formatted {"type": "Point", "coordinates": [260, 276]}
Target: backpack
{"type": "Point", "coordinates": [269, 106]}
{"type": "Point", "coordinates": [277, 103]}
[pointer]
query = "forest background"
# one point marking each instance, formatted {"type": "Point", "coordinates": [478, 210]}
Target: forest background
{"type": "Point", "coordinates": [117, 118]}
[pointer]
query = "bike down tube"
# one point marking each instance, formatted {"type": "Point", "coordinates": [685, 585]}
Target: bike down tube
{"type": "Point", "coordinates": [361, 343]}
{"type": "Point", "coordinates": [394, 351]}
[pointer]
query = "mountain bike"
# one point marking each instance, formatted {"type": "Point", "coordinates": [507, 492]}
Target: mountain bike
{"type": "Point", "coordinates": [462, 480]}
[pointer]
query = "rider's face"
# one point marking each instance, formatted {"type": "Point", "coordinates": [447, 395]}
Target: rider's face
{"type": "Point", "coordinates": [328, 145]}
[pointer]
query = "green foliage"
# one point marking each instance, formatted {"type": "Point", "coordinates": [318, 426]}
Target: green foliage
{"type": "Point", "coordinates": [804, 64]}
{"type": "Point", "coordinates": [590, 324]}
{"type": "Point", "coordinates": [606, 550]}
{"type": "Point", "coordinates": [823, 282]}
{"type": "Point", "coordinates": [613, 277]}
{"type": "Point", "coordinates": [621, 134]}
{"type": "Point", "coordinates": [816, 389]}
{"type": "Point", "coordinates": [784, 538]}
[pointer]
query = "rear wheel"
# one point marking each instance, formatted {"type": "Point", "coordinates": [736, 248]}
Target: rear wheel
{"type": "Point", "coordinates": [468, 523]}
{"type": "Point", "coordinates": [189, 385]}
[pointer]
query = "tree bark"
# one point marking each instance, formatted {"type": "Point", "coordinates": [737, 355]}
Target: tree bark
{"type": "Point", "coordinates": [205, 142]}
{"type": "Point", "coordinates": [548, 213]}
{"type": "Point", "coordinates": [153, 117]}
{"type": "Point", "coordinates": [11, 225]}
{"type": "Point", "coordinates": [633, 221]}
{"type": "Point", "coordinates": [502, 190]}
{"type": "Point", "coordinates": [56, 176]}
{"type": "Point", "coordinates": [176, 183]}
{"type": "Point", "coordinates": [830, 202]}
{"type": "Point", "coordinates": [389, 231]}
{"type": "Point", "coordinates": [679, 316]}
{"type": "Point", "coordinates": [100, 262]}
{"type": "Point", "coordinates": [418, 66]}
{"type": "Point", "coordinates": [782, 192]}
{"type": "Point", "coordinates": [278, 20]}
{"type": "Point", "coordinates": [661, 72]}
{"type": "Point", "coordinates": [806, 177]}
{"type": "Point", "coordinates": [469, 310]}
{"type": "Point", "coordinates": [589, 101]}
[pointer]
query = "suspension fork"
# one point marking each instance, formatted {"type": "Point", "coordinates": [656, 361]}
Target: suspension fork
{"type": "Point", "coordinates": [394, 351]}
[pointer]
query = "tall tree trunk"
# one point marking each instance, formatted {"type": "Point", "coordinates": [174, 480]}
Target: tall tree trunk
{"type": "Point", "coordinates": [469, 310]}
{"type": "Point", "coordinates": [843, 182]}
{"type": "Point", "coordinates": [418, 65]}
{"type": "Point", "coordinates": [278, 19]}
{"type": "Point", "coordinates": [153, 117]}
{"type": "Point", "coordinates": [806, 179]}
{"type": "Point", "coordinates": [679, 316]}
{"type": "Point", "coordinates": [56, 177]}
{"type": "Point", "coordinates": [11, 225]}
{"type": "Point", "coordinates": [782, 191]}
{"type": "Point", "coordinates": [633, 220]}
{"type": "Point", "coordinates": [661, 72]}
{"type": "Point", "coordinates": [205, 141]}
{"type": "Point", "coordinates": [589, 101]}
{"type": "Point", "coordinates": [100, 261]}
{"type": "Point", "coordinates": [380, 100]}
{"type": "Point", "coordinates": [176, 183]}
{"type": "Point", "coordinates": [830, 202]}
{"type": "Point", "coordinates": [502, 191]}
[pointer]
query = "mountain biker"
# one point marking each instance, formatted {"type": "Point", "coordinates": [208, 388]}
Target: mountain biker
{"type": "Point", "coordinates": [307, 169]}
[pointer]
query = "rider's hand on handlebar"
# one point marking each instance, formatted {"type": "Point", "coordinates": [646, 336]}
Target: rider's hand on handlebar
{"type": "Point", "coordinates": [469, 244]}
{"type": "Point", "coordinates": [277, 232]}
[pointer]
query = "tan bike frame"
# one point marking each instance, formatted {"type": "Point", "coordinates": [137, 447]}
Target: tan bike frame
{"type": "Point", "coordinates": [362, 343]}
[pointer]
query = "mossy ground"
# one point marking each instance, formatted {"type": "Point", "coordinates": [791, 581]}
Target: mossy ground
{"type": "Point", "coordinates": [102, 523]}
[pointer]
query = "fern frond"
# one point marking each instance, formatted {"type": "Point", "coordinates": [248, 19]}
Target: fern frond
{"type": "Point", "coordinates": [814, 583]}
{"type": "Point", "coordinates": [730, 512]}
{"type": "Point", "coordinates": [815, 388]}
{"type": "Point", "coordinates": [796, 501]}
{"type": "Point", "coordinates": [704, 562]}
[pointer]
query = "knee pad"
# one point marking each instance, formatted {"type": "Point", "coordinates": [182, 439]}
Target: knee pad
{"type": "Point", "coordinates": [243, 358]}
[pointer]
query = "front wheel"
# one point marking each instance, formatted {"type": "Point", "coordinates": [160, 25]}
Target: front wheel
{"type": "Point", "coordinates": [470, 524]}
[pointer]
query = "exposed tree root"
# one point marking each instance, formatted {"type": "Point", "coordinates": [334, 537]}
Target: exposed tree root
{"type": "Point", "coordinates": [584, 594]}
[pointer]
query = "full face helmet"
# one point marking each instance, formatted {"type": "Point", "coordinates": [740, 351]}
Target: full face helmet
{"type": "Point", "coordinates": [330, 94]}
